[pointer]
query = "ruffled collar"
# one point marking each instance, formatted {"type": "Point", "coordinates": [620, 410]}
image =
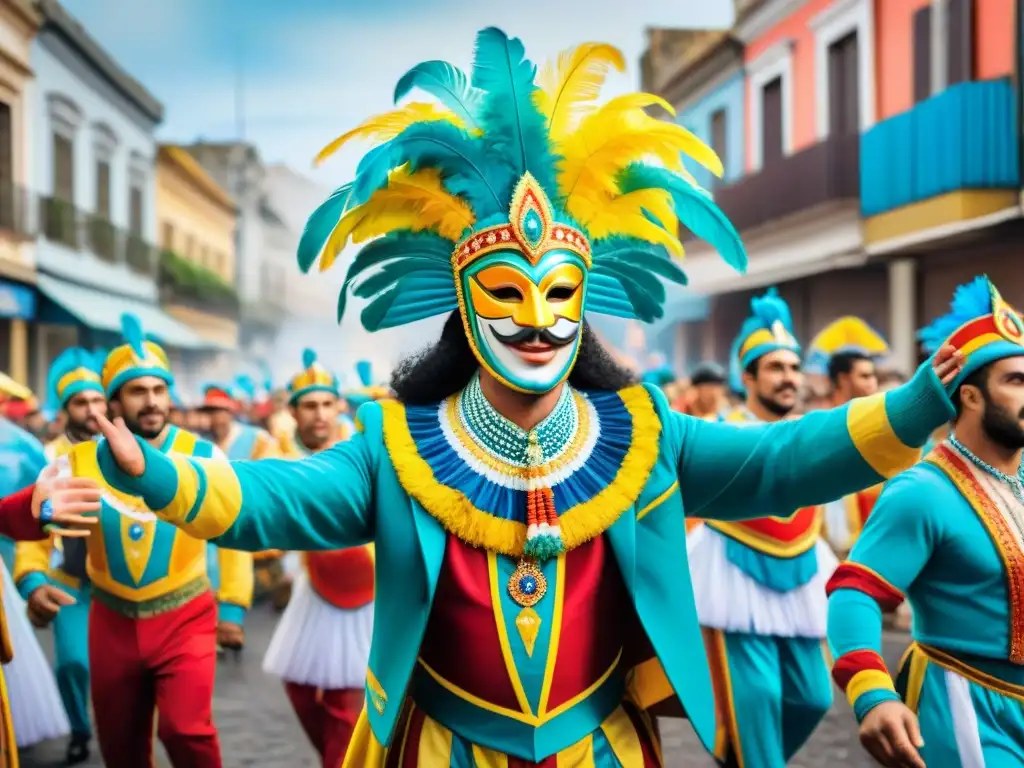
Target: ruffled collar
{"type": "Point", "coordinates": [480, 496]}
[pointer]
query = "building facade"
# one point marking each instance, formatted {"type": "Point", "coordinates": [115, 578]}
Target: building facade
{"type": "Point", "coordinates": [881, 162]}
{"type": "Point", "coordinates": [19, 23]}
{"type": "Point", "coordinates": [93, 159]}
{"type": "Point", "coordinates": [197, 272]}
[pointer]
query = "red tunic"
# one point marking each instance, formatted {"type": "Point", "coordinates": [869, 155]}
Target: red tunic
{"type": "Point", "coordinates": [342, 577]}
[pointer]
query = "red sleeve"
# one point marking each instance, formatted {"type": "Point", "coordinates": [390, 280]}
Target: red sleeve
{"type": "Point", "coordinates": [16, 519]}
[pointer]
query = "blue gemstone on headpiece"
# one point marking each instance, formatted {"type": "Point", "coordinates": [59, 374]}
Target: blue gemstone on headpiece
{"type": "Point", "coordinates": [533, 228]}
{"type": "Point", "coordinates": [135, 532]}
{"type": "Point", "coordinates": [528, 585]}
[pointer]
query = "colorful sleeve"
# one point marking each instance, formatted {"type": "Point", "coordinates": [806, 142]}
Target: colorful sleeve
{"type": "Point", "coordinates": [322, 502]}
{"type": "Point", "coordinates": [16, 519]}
{"type": "Point", "coordinates": [730, 472]}
{"type": "Point", "coordinates": [31, 562]}
{"type": "Point", "coordinates": [893, 548]}
{"type": "Point", "coordinates": [234, 593]}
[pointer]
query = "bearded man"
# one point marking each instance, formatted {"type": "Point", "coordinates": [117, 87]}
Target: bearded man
{"type": "Point", "coordinates": [525, 496]}
{"type": "Point", "coordinates": [946, 536]}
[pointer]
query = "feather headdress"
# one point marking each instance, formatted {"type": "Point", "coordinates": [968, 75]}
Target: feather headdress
{"type": "Point", "coordinates": [442, 175]}
{"type": "Point", "coordinates": [979, 324]}
{"type": "Point", "coordinates": [312, 378]}
{"type": "Point", "coordinates": [769, 328]}
{"type": "Point", "coordinates": [139, 356]}
{"type": "Point", "coordinates": [847, 334]}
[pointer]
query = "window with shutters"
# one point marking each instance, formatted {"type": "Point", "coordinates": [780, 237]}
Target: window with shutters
{"type": "Point", "coordinates": [771, 122]}
{"type": "Point", "coordinates": [103, 189]}
{"type": "Point", "coordinates": [135, 211]}
{"type": "Point", "coordinates": [63, 168]}
{"type": "Point", "coordinates": [922, 44]}
{"type": "Point", "coordinates": [718, 134]}
{"type": "Point", "coordinates": [6, 168]}
{"type": "Point", "coordinates": [844, 86]}
{"type": "Point", "coordinates": [959, 41]}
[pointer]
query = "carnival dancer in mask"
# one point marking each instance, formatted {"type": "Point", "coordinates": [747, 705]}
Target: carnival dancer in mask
{"type": "Point", "coordinates": [525, 496]}
{"type": "Point", "coordinates": [321, 646]}
{"type": "Point", "coordinates": [846, 351]}
{"type": "Point", "coordinates": [947, 536]}
{"type": "Point", "coordinates": [29, 698]}
{"type": "Point", "coordinates": [51, 573]}
{"type": "Point", "coordinates": [154, 623]}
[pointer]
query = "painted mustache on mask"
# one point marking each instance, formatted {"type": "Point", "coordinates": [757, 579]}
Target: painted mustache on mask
{"type": "Point", "coordinates": [535, 336]}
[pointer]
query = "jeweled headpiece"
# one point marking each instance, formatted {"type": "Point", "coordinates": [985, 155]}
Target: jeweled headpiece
{"type": "Point", "coordinates": [980, 325]}
{"type": "Point", "coordinates": [520, 202]}
{"type": "Point", "coordinates": [139, 356]}
{"type": "Point", "coordinates": [768, 329]}
{"type": "Point", "coordinates": [312, 378]}
{"type": "Point", "coordinates": [847, 334]}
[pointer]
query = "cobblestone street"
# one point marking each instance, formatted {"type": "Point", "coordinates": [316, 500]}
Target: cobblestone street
{"type": "Point", "coordinates": [257, 727]}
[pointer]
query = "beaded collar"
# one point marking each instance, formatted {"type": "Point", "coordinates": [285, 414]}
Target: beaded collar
{"type": "Point", "coordinates": [507, 441]}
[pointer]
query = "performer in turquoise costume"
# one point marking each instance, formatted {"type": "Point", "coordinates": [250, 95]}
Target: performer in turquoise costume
{"type": "Point", "coordinates": [759, 584]}
{"type": "Point", "coordinates": [525, 496]}
{"type": "Point", "coordinates": [947, 535]}
{"type": "Point", "coordinates": [51, 574]}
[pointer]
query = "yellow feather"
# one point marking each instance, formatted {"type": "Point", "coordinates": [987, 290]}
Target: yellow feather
{"type": "Point", "coordinates": [416, 201]}
{"type": "Point", "coordinates": [624, 216]}
{"type": "Point", "coordinates": [849, 332]}
{"type": "Point", "coordinates": [566, 90]}
{"type": "Point", "coordinates": [385, 127]}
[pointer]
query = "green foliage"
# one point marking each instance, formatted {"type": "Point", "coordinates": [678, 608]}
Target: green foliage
{"type": "Point", "coordinates": [186, 280]}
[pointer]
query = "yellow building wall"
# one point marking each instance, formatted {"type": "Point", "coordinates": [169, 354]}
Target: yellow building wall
{"type": "Point", "coordinates": [191, 221]}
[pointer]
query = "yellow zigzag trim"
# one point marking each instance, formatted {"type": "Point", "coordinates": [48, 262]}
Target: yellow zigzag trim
{"type": "Point", "coordinates": [579, 524]}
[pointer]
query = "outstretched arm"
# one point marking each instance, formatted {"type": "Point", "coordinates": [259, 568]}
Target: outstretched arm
{"type": "Point", "coordinates": [894, 547]}
{"type": "Point", "coordinates": [234, 593]}
{"type": "Point", "coordinates": [321, 502]}
{"type": "Point", "coordinates": [730, 472]}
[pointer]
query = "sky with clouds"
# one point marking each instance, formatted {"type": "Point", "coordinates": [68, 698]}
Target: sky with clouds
{"type": "Point", "coordinates": [290, 75]}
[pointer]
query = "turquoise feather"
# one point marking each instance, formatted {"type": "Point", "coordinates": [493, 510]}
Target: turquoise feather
{"type": "Point", "coordinates": [605, 296]}
{"type": "Point", "coordinates": [246, 384]}
{"type": "Point", "coordinates": [364, 370]}
{"type": "Point", "coordinates": [417, 277]}
{"type": "Point", "coordinates": [402, 304]}
{"type": "Point", "coordinates": [513, 126]}
{"type": "Point", "coordinates": [639, 254]}
{"type": "Point", "coordinates": [446, 83]}
{"type": "Point", "coordinates": [970, 301]}
{"type": "Point", "coordinates": [131, 331]}
{"type": "Point", "coordinates": [415, 250]}
{"type": "Point", "coordinates": [448, 148]}
{"type": "Point", "coordinates": [308, 358]}
{"type": "Point", "coordinates": [320, 225]}
{"type": "Point", "coordinates": [694, 209]}
{"type": "Point", "coordinates": [735, 374]}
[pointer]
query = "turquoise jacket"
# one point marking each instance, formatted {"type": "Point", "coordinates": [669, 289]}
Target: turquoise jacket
{"type": "Point", "coordinates": [351, 494]}
{"type": "Point", "coordinates": [941, 549]}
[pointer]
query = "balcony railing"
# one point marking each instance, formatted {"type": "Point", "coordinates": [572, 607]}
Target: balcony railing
{"type": "Point", "coordinates": [963, 138]}
{"type": "Point", "coordinates": [15, 213]}
{"type": "Point", "coordinates": [60, 222]}
{"type": "Point", "coordinates": [826, 172]}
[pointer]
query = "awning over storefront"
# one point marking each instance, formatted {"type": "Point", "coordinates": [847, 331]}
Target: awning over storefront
{"type": "Point", "coordinates": [102, 312]}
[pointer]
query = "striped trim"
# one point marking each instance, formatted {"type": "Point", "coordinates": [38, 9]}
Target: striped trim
{"type": "Point", "coordinates": [850, 665]}
{"type": "Point", "coordinates": [872, 434]}
{"type": "Point", "coordinates": [850, 575]}
{"type": "Point", "coordinates": [865, 681]}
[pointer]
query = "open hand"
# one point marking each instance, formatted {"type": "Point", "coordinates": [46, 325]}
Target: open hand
{"type": "Point", "coordinates": [891, 734]}
{"type": "Point", "coordinates": [71, 502]}
{"type": "Point", "coordinates": [45, 602]}
{"type": "Point", "coordinates": [230, 635]}
{"type": "Point", "coordinates": [947, 363]}
{"type": "Point", "coordinates": [125, 448]}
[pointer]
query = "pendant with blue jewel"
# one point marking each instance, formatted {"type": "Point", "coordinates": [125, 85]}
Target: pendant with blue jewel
{"type": "Point", "coordinates": [527, 586]}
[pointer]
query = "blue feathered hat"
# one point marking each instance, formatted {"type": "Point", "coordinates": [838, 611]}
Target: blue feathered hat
{"type": "Point", "coordinates": [979, 324]}
{"type": "Point", "coordinates": [769, 328]}
{"type": "Point", "coordinates": [510, 161]}
{"type": "Point", "coordinates": [847, 334]}
{"type": "Point", "coordinates": [313, 378]}
{"type": "Point", "coordinates": [139, 356]}
{"type": "Point", "coordinates": [75, 370]}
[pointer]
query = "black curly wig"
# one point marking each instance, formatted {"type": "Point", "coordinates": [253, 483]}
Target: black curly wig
{"type": "Point", "coordinates": [447, 367]}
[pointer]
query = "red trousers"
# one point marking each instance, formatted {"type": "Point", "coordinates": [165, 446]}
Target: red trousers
{"type": "Point", "coordinates": [327, 717]}
{"type": "Point", "coordinates": [166, 664]}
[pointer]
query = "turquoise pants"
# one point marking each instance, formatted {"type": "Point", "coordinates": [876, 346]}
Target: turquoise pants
{"type": "Point", "coordinates": [776, 691]}
{"type": "Point", "coordinates": [71, 651]}
{"type": "Point", "coordinates": [963, 724]}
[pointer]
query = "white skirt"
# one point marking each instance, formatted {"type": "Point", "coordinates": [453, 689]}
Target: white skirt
{"type": "Point", "coordinates": [36, 706]}
{"type": "Point", "coordinates": [318, 644]}
{"type": "Point", "coordinates": [730, 600]}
